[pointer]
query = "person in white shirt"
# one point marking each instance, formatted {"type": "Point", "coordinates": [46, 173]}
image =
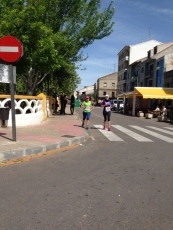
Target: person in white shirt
{"type": "Point", "coordinates": [164, 112]}
{"type": "Point", "coordinates": [157, 108]}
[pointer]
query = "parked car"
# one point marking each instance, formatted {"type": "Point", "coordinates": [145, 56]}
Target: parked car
{"type": "Point", "coordinates": [117, 105]}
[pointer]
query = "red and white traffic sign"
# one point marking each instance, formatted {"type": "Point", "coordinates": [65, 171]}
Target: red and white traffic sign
{"type": "Point", "coordinates": [11, 49]}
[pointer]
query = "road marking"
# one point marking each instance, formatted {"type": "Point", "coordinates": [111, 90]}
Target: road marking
{"type": "Point", "coordinates": [11, 49]}
{"type": "Point", "coordinates": [110, 135]}
{"type": "Point", "coordinates": [167, 139]}
{"type": "Point", "coordinates": [161, 130]}
{"type": "Point", "coordinates": [168, 128]}
{"type": "Point", "coordinates": [92, 138]}
{"type": "Point", "coordinates": [132, 134]}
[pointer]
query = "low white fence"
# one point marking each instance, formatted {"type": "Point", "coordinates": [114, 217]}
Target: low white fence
{"type": "Point", "coordinates": [30, 110]}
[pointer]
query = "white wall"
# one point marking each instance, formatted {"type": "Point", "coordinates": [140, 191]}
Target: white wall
{"type": "Point", "coordinates": [139, 51]}
{"type": "Point", "coordinates": [26, 119]}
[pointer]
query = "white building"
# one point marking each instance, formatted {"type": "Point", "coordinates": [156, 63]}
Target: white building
{"type": "Point", "coordinates": [87, 90]}
{"type": "Point", "coordinates": [128, 55]}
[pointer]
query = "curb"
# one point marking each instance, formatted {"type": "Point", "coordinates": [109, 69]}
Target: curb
{"type": "Point", "coordinates": [39, 150]}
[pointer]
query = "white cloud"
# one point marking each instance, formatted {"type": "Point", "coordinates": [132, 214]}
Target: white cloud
{"type": "Point", "coordinates": [154, 9]}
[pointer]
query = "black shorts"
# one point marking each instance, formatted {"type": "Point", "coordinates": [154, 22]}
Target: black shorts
{"type": "Point", "coordinates": [107, 116]}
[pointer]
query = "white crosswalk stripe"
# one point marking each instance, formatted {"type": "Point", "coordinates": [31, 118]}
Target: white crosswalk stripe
{"type": "Point", "coordinates": [154, 134]}
{"type": "Point", "coordinates": [110, 135]}
{"type": "Point", "coordinates": [160, 130]}
{"type": "Point", "coordinates": [132, 134]}
{"type": "Point", "coordinates": [168, 128]}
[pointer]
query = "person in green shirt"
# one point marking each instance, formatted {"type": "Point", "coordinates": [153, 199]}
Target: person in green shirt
{"type": "Point", "coordinates": [87, 106]}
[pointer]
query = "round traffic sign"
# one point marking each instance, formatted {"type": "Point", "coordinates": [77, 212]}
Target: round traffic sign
{"type": "Point", "coordinates": [11, 49]}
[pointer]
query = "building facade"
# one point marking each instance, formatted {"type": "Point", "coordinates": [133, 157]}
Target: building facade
{"type": "Point", "coordinates": [153, 71]}
{"type": "Point", "coordinates": [106, 85]}
{"type": "Point", "coordinates": [128, 55]}
{"type": "Point", "coordinates": [87, 90]}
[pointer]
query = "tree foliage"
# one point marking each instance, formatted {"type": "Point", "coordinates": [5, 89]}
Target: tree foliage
{"type": "Point", "coordinates": [53, 34]}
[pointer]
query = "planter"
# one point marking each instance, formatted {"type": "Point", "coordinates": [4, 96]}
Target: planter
{"type": "Point", "coordinates": [148, 115]}
{"type": "Point", "coordinates": [140, 114]}
{"type": "Point", "coordinates": [162, 118]}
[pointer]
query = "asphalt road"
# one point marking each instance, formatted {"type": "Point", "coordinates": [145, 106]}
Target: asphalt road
{"type": "Point", "coordinates": [121, 182]}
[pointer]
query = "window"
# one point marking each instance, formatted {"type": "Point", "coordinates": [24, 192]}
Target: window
{"type": "Point", "coordinates": [104, 93]}
{"type": "Point", "coordinates": [150, 82]}
{"type": "Point", "coordinates": [142, 70]}
{"type": "Point", "coordinates": [155, 49]}
{"type": "Point", "coordinates": [167, 85]}
{"type": "Point", "coordinates": [149, 54]}
{"type": "Point", "coordinates": [113, 94]}
{"type": "Point", "coordinates": [104, 84]}
{"type": "Point", "coordinates": [151, 67]}
{"type": "Point", "coordinates": [113, 85]}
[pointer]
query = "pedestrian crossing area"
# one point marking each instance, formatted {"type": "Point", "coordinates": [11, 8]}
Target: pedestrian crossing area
{"type": "Point", "coordinates": [137, 133]}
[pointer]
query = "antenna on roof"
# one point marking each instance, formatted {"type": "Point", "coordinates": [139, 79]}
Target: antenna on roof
{"type": "Point", "coordinates": [114, 67]}
{"type": "Point", "coordinates": [149, 31]}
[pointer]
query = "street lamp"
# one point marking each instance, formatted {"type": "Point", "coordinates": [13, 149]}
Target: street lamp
{"type": "Point", "coordinates": [136, 79]}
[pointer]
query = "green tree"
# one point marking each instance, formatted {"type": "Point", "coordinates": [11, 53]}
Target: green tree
{"type": "Point", "coordinates": [54, 33]}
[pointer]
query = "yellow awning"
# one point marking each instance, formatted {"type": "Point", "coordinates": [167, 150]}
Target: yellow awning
{"type": "Point", "coordinates": [154, 92]}
{"type": "Point", "coordinates": [149, 92]}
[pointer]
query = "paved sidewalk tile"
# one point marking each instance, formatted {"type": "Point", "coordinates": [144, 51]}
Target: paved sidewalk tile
{"type": "Point", "coordinates": [56, 132]}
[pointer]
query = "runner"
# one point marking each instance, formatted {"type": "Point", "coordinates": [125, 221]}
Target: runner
{"type": "Point", "coordinates": [87, 106]}
{"type": "Point", "coordinates": [106, 104]}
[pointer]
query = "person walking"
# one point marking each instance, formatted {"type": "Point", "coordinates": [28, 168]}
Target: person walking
{"type": "Point", "coordinates": [106, 104]}
{"type": "Point", "coordinates": [55, 104]}
{"type": "Point", "coordinates": [72, 104]}
{"type": "Point", "coordinates": [87, 106]}
{"type": "Point", "coordinates": [63, 104]}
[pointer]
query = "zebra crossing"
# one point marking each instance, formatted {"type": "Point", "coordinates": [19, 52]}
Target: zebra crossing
{"type": "Point", "coordinates": [131, 131]}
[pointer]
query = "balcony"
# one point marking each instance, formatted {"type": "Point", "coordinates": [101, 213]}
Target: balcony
{"type": "Point", "coordinates": [124, 59]}
{"type": "Point", "coordinates": [149, 73]}
{"type": "Point", "coordinates": [124, 87]}
{"type": "Point", "coordinates": [133, 79]}
{"type": "Point", "coordinates": [122, 81]}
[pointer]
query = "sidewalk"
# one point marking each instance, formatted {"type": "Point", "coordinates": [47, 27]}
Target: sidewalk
{"type": "Point", "coordinates": [56, 132]}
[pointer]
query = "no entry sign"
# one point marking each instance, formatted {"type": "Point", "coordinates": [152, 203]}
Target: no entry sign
{"type": "Point", "coordinates": [11, 49]}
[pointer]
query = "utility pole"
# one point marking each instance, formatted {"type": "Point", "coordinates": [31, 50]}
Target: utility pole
{"type": "Point", "coordinates": [114, 66]}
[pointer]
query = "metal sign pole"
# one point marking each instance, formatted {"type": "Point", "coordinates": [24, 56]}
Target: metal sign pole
{"type": "Point", "coordinates": [12, 103]}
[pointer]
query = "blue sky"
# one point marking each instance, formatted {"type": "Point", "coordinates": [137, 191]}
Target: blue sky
{"type": "Point", "coordinates": [135, 21]}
